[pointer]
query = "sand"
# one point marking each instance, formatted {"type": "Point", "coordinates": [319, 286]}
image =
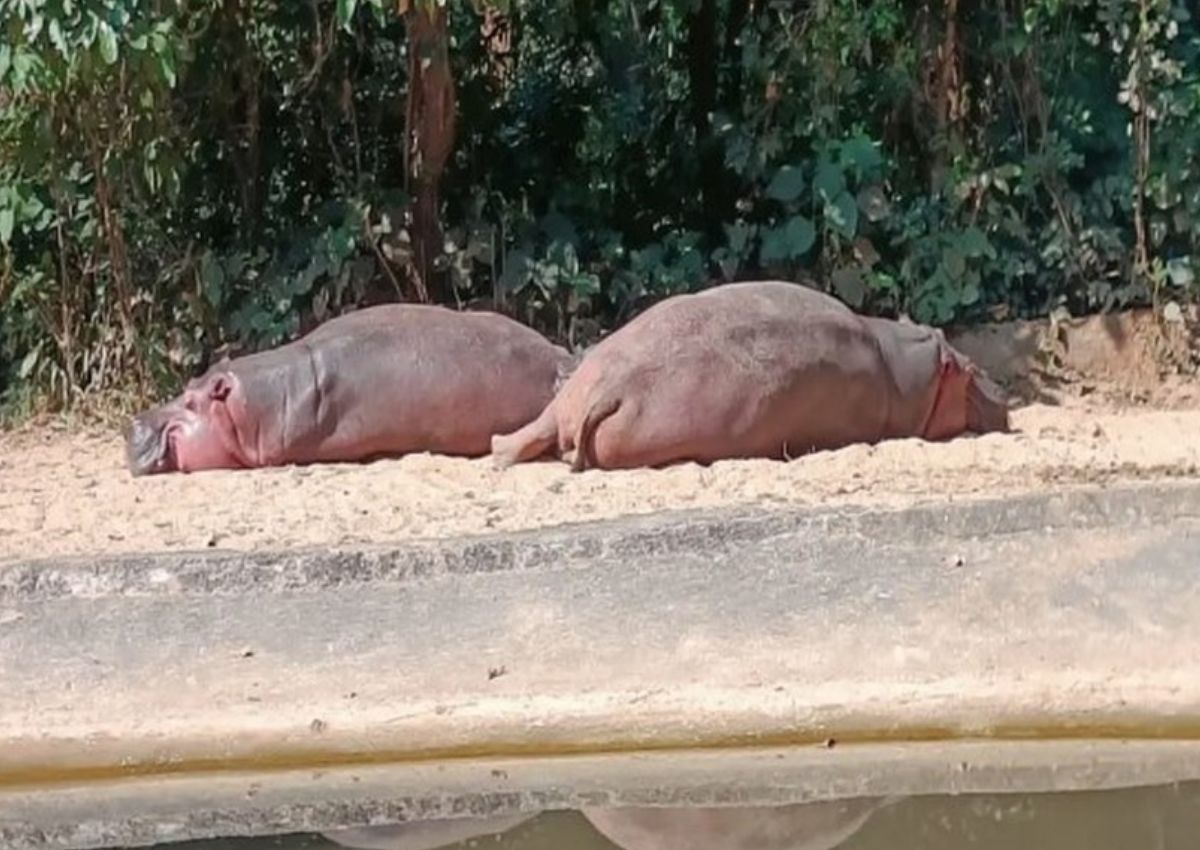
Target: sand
{"type": "Point", "coordinates": [65, 492]}
{"type": "Point", "coordinates": [1098, 399]}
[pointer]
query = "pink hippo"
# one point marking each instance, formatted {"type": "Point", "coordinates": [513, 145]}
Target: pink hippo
{"type": "Point", "coordinates": [382, 381]}
{"type": "Point", "coordinates": [755, 370]}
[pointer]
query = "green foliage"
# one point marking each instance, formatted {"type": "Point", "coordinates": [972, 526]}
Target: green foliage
{"type": "Point", "coordinates": [178, 179]}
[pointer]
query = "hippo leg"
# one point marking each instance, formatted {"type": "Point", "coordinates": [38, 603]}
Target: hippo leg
{"type": "Point", "coordinates": [527, 443]}
{"type": "Point", "coordinates": [424, 835]}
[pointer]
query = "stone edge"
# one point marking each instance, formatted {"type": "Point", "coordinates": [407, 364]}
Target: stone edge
{"type": "Point", "coordinates": [225, 572]}
{"type": "Point", "coordinates": [256, 804]}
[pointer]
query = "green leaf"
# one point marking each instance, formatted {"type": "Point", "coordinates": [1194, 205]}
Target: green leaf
{"type": "Point", "coordinates": [1180, 271]}
{"type": "Point", "coordinates": [789, 240]}
{"type": "Point", "coordinates": [33, 27]}
{"type": "Point", "coordinates": [22, 66]}
{"type": "Point", "coordinates": [108, 42]}
{"type": "Point", "coordinates": [861, 153]}
{"type": "Point", "coordinates": [5, 59]}
{"type": "Point", "coordinates": [774, 246]}
{"type": "Point", "coordinates": [166, 66]}
{"type": "Point", "coordinates": [829, 181]}
{"type": "Point", "coordinates": [212, 276]}
{"type": "Point", "coordinates": [650, 258]}
{"type": "Point", "coordinates": [345, 12]}
{"type": "Point", "coordinates": [787, 184]}
{"type": "Point", "coordinates": [56, 37]}
{"type": "Point", "coordinates": [6, 225]}
{"type": "Point", "coordinates": [800, 235]}
{"type": "Point", "coordinates": [28, 362]}
{"type": "Point", "coordinates": [842, 215]}
{"type": "Point", "coordinates": [738, 236]}
{"type": "Point", "coordinates": [585, 284]}
{"type": "Point", "coordinates": [954, 263]}
{"type": "Point", "coordinates": [974, 243]}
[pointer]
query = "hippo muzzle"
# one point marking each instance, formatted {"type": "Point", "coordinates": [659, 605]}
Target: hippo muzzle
{"type": "Point", "coordinates": [190, 433]}
{"type": "Point", "coordinates": [147, 445]}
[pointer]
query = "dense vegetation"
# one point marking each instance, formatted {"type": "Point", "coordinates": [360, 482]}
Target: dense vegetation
{"type": "Point", "coordinates": [181, 178]}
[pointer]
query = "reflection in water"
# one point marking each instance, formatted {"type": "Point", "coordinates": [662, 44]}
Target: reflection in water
{"type": "Point", "coordinates": [815, 826]}
{"type": "Point", "coordinates": [1160, 818]}
{"type": "Point", "coordinates": [425, 835]}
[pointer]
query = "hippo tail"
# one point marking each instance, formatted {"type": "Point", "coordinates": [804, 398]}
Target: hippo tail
{"type": "Point", "coordinates": [598, 410]}
{"type": "Point", "coordinates": [529, 442]}
{"type": "Point", "coordinates": [987, 407]}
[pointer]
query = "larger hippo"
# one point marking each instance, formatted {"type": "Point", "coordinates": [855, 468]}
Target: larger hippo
{"type": "Point", "coordinates": [765, 369]}
{"type": "Point", "coordinates": [382, 381]}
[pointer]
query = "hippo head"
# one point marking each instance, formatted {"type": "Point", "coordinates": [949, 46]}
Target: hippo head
{"type": "Point", "coordinates": [967, 399]}
{"type": "Point", "coordinates": [191, 432]}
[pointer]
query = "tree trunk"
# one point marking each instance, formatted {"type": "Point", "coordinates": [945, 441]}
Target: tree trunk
{"type": "Point", "coordinates": [948, 102]}
{"type": "Point", "coordinates": [429, 137]}
{"type": "Point", "coordinates": [702, 52]}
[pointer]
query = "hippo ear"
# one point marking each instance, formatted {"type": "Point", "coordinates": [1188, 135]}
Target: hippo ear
{"type": "Point", "coordinates": [220, 388]}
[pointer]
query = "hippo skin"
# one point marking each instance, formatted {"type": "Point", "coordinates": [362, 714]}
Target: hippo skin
{"type": "Point", "coordinates": [762, 369]}
{"type": "Point", "coordinates": [382, 381]}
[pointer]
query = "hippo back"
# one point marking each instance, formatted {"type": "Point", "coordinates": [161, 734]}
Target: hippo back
{"type": "Point", "coordinates": [394, 379]}
{"type": "Point", "coordinates": [742, 370]}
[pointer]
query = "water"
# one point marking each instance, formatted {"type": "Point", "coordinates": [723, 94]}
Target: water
{"type": "Point", "coordinates": [1153, 818]}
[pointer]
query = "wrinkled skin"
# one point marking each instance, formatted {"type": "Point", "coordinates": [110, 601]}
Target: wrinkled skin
{"type": "Point", "coordinates": [382, 381]}
{"type": "Point", "coordinates": [764, 369]}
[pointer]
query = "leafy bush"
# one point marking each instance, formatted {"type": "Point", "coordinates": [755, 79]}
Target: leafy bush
{"type": "Point", "coordinates": [177, 180]}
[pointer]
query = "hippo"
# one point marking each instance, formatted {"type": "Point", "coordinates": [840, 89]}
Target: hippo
{"type": "Point", "coordinates": [382, 381]}
{"type": "Point", "coordinates": [756, 369]}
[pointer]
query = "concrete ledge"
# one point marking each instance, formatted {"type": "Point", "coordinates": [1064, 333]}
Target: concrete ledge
{"type": "Point", "coordinates": [216, 572]}
{"type": "Point", "coordinates": [148, 811]}
{"type": "Point", "coordinates": [1038, 632]}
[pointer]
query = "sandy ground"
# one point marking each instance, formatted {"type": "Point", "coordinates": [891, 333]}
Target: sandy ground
{"type": "Point", "coordinates": [66, 492]}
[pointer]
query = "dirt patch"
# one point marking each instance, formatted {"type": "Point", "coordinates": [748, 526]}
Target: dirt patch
{"type": "Point", "coordinates": [1132, 357]}
{"type": "Point", "coordinates": [1113, 406]}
